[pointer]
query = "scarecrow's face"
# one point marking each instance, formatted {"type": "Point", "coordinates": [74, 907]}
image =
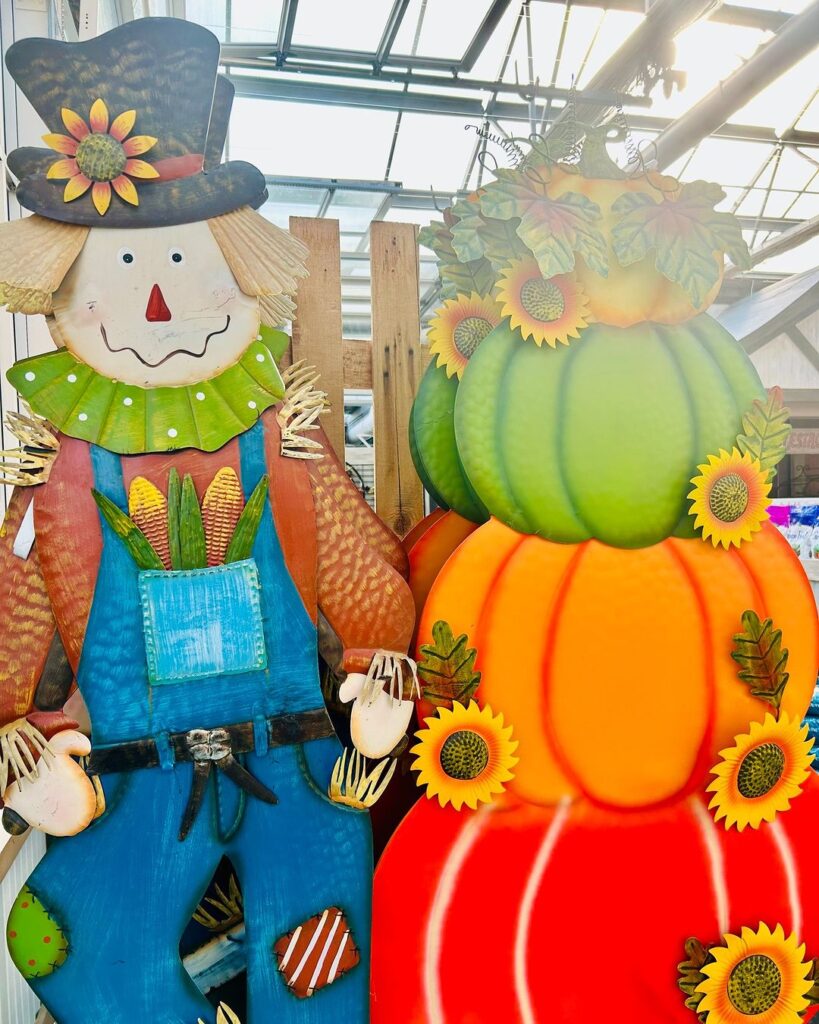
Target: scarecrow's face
{"type": "Point", "coordinates": [154, 306]}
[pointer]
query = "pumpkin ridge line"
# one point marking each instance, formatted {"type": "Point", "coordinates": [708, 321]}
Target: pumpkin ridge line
{"type": "Point", "coordinates": [664, 336]}
{"type": "Point", "coordinates": [565, 380]}
{"type": "Point", "coordinates": [702, 760]}
{"type": "Point", "coordinates": [557, 751]}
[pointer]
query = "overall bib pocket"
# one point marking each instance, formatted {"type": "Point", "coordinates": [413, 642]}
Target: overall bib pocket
{"type": "Point", "coordinates": [200, 623]}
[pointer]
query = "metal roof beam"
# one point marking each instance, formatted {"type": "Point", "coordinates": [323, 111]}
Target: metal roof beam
{"type": "Point", "coordinates": [730, 14]}
{"type": "Point", "coordinates": [790, 239]}
{"type": "Point", "coordinates": [466, 108]}
{"type": "Point", "coordinates": [234, 57]}
{"type": "Point", "coordinates": [399, 9]}
{"type": "Point", "coordinates": [795, 40]}
{"type": "Point", "coordinates": [490, 22]}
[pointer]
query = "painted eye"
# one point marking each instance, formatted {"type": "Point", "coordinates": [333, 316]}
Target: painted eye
{"type": "Point", "coordinates": [126, 257]}
{"type": "Point", "coordinates": [176, 257]}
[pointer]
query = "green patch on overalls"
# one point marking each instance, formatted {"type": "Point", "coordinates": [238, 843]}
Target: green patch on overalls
{"type": "Point", "coordinates": [36, 942]}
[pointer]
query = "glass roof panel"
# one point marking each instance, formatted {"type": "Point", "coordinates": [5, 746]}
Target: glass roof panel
{"type": "Point", "coordinates": [355, 210]}
{"type": "Point", "coordinates": [447, 28]}
{"type": "Point", "coordinates": [254, 21]}
{"type": "Point", "coordinates": [309, 140]}
{"type": "Point", "coordinates": [342, 24]}
{"type": "Point", "coordinates": [210, 13]}
{"type": "Point", "coordinates": [431, 152]}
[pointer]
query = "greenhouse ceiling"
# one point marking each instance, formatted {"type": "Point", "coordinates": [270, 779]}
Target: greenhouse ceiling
{"type": "Point", "coordinates": [369, 109]}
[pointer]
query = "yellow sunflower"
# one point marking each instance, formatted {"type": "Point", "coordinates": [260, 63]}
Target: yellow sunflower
{"type": "Point", "coordinates": [758, 978]}
{"type": "Point", "coordinates": [458, 327]}
{"type": "Point", "coordinates": [98, 155]}
{"type": "Point", "coordinates": [552, 310]}
{"type": "Point", "coordinates": [464, 755]}
{"type": "Point", "coordinates": [730, 498]}
{"type": "Point", "coordinates": [760, 775]}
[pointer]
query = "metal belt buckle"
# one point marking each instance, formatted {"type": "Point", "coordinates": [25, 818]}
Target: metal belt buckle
{"type": "Point", "coordinates": [208, 744]}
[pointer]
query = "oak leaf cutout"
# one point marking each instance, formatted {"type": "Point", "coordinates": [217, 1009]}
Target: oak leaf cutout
{"type": "Point", "coordinates": [447, 667]}
{"type": "Point", "coordinates": [766, 431]}
{"type": "Point", "coordinates": [762, 659]}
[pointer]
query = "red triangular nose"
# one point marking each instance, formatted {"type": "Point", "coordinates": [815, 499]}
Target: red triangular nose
{"type": "Point", "coordinates": [157, 308]}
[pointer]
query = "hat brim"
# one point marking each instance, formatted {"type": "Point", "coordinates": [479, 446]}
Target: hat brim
{"type": "Point", "coordinates": [180, 201]}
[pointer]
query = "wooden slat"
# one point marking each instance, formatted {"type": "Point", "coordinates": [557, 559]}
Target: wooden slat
{"type": "Point", "coordinates": [396, 367]}
{"type": "Point", "coordinates": [358, 365]}
{"type": "Point", "coordinates": [9, 852]}
{"type": "Point", "coordinates": [317, 325]}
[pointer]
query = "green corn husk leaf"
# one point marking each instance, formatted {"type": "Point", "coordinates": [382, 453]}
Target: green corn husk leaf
{"type": "Point", "coordinates": [174, 500]}
{"type": "Point", "coordinates": [244, 536]}
{"type": "Point", "coordinates": [766, 431]}
{"type": "Point", "coordinates": [447, 667]}
{"type": "Point", "coordinates": [762, 658]}
{"type": "Point", "coordinates": [192, 543]}
{"type": "Point", "coordinates": [137, 544]}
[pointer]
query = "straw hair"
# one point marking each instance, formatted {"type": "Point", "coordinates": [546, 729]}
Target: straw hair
{"type": "Point", "coordinates": [35, 255]}
{"type": "Point", "coordinates": [265, 260]}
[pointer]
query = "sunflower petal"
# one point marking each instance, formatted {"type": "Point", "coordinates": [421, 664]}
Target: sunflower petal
{"type": "Point", "coordinates": [62, 169]}
{"type": "Point", "coordinates": [61, 143]}
{"type": "Point", "coordinates": [138, 144]}
{"type": "Point", "coordinates": [140, 169]}
{"type": "Point", "coordinates": [125, 189]}
{"type": "Point", "coordinates": [122, 125]}
{"type": "Point", "coordinates": [76, 187]}
{"type": "Point", "coordinates": [101, 196]}
{"type": "Point", "coordinates": [74, 123]}
{"type": "Point", "coordinates": [98, 117]}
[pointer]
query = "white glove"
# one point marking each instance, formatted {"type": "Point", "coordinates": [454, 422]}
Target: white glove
{"type": "Point", "coordinates": [60, 800]}
{"type": "Point", "coordinates": [380, 715]}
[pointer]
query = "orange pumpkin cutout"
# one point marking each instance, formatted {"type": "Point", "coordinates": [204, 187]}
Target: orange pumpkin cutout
{"type": "Point", "coordinates": [629, 295]}
{"type": "Point", "coordinates": [614, 667]}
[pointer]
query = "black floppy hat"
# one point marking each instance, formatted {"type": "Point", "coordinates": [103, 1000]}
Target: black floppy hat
{"type": "Point", "coordinates": [137, 120]}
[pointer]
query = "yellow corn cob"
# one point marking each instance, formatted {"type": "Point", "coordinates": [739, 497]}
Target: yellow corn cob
{"type": "Point", "coordinates": [148, 508]}
{"type": "Point", "coordinates": [221, 508]}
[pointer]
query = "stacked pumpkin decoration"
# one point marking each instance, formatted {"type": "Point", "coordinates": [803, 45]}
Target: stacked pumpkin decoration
{"type": "Point", "coordinates": [616, 664]}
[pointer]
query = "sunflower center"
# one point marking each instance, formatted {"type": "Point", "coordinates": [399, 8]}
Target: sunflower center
{"type": "Point", "coordinates": [469, 333]}
{"type": "Point", "coordinates": [760, 770]}
{"type": "Point", "coordinates": [729, 497]}
{"type": "Point", "coordinates": [101, 157]}
{"type": "Point", "coordinates": [464, 755]}
{"type": "Point", "coordinates": [754, 985]}
{"type": "Point", "coordinates": [542, 300]}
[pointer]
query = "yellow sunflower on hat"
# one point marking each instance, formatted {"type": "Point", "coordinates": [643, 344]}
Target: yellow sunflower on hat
{"type": "Point", "coordinates": [760, 775]}
{"type": "Point", "coordinates": [464, 755]}
{"type": "Point", "coordinates": [458, 327]}
{"type": "Point", "coordinates": [553, 310]}
{"type": "Point", "coordinates": [730, 498]}
{"type": "Point", "coordinates": [99, 155]}
{"type": "Point", "coordinates": [758, 977]}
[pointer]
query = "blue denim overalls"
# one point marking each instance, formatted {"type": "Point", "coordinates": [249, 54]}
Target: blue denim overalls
{"type": "Point", "coordinates": [124, 889]}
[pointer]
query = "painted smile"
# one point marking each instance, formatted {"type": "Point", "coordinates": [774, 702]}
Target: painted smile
{"type": "Point", "coordinates": [170, 355]}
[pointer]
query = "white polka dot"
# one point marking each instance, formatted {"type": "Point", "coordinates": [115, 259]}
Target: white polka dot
{"type": "Point", "coordinates": [127, 401]}
{"type": "Point", "coordinates": [72, 378]}
{"type": "Point", "coordinates": [83, 417]}
{"type": "Point", "coordinates": [172, 432]}
{"type": "Point", "coordinates": [200, 395]}
{"type": "Point", "coordinates": [251, 405]}
{"type": "Point", "coordinates": [260, 358]}
{"type": "Point", "coordinates": [30, 375]}
{"type": "Point", "coordinates": [258, 337]}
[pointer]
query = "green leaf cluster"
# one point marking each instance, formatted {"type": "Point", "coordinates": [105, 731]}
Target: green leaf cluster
{"type": "Point", "coordinates": [685, 233]}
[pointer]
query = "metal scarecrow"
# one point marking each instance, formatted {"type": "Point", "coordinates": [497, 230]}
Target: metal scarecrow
{"type": "Point", "coordinates": [193, 532]}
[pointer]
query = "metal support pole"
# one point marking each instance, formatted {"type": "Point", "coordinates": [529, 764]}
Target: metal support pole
{"type": "Point", "coordinates": [798, 38]}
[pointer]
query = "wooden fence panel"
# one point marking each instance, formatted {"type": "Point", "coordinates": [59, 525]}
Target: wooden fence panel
{"type": "Point", "coordinates": [317, 324]}
{"type": "Point", "coordinates": [396, 368]}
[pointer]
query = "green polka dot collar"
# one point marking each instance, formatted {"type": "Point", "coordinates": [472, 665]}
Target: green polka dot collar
{"type": "Point", "coordinates": [130, 420]}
